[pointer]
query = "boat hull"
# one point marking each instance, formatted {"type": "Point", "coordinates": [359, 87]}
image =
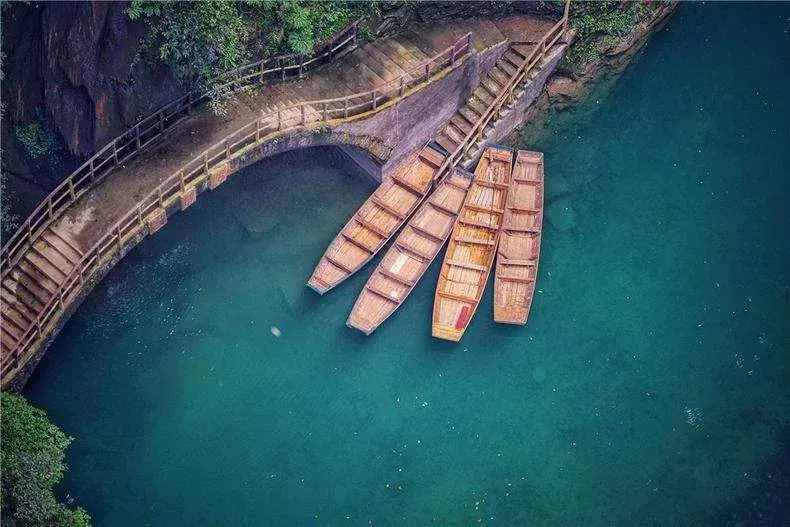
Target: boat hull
{"type": "Point", "coordinates": [411, 254]}
{"type": "Point", "coordinates": [472, 247]}
{"type": "Point", "coordinates": [377, 220]}
{"type": "Point", "coordinates": [518, 253]}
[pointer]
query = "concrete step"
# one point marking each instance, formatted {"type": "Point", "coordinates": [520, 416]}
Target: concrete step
{"type": "Point", "coordinates": [381, 64]}
{"type": "Point", "coordinates": [460, 123]}
{"type": "Point", "coordinates": [63, 244]}
{"type": "Point", "coordinates": [506, 67]}
{"type": "Point", "coordinates": [23, 295]}
{"type": "Point", "coordinates": [40, 278]}
{"type": "Point", "coordinates": [445, 142]}
{"type": "Point", "coordinates": [11, 300]}
{"type": "Point", "coordinates": [40, 293]}
{"type": "Point", "coordinates": [499, 75]}
{"type": "Point", "coordinates": [468, 113]}
{"type": "Point", "coordinates": [53, 256]}
{"type": "Point", "coordinates": [485, 96]}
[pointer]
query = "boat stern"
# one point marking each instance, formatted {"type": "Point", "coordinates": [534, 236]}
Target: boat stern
{"type": "Point", "coordinates": [447, 333]}
{"type": "Point", "coordinates": [353, 323]}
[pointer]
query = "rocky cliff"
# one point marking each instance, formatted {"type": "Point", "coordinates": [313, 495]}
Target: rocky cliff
{"type": "Point", "coordinates": [77, 65]}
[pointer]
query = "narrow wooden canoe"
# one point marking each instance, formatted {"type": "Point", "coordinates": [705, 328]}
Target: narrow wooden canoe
{"type": "Point", "coordinates": [377, 220]}
{"type": "Point", "coordinates": [472, 247]}
{"type": "Point", "coordinates": [519, 243]}
{"type": "Point", "coordinates": [411, 254]}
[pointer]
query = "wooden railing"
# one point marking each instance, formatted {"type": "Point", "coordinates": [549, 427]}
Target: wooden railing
{"type": "Point", "coordinates": [197, 171]}
{"type": "Point", "coordinates": [508, 91]}
{"type": "Point", "coordinates": [150, 129]}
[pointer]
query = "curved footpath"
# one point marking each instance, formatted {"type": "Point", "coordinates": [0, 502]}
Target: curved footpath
{"type": "Point", "coordinates": [36, 283]}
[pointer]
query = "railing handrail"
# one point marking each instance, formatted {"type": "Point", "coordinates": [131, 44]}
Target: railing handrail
{"type": "Point", "coordinates": [541, 47]}
{"type": "Point", "coordinates": [198, 168]}
{"type": "Point", "coordinates": [186, 101]}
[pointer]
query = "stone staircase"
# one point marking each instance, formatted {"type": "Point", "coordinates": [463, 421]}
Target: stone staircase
{"type": "Point", "coordinates": [369, 66]}
{"type": "Point", "coordinates": [482, 98]}
{"type": "Point", "coordinates": [29, 286]}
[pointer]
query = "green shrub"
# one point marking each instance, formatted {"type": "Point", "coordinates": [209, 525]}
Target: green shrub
{"type": "Point", "coordinates": [32, 463]}
{"type": "Point", "coordinates": [201, 40]}
{"type": "Point", "coordinates": [593, 20]}
{"type": "Point", "coordinates": [36, 137]}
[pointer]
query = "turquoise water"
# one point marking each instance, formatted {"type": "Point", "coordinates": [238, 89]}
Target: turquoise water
{"type": "Point", "coordinates": [650, 386]}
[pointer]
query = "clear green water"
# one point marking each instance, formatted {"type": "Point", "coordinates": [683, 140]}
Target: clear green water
{"type": "Point", "coordinates": [649, 388]}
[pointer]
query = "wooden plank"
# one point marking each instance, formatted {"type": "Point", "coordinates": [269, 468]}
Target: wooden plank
{"type": "Point", "coordinates": [442, 208]}
{"type": "Point", "coordinates": [521, 263]}
{"type": "Point", "coordinates": [475, 223]}
{"type": "Point", "coordinates": [467, 265]}
{"type": "Point", "coordinates": [517, 279]}
{"type": "Point", "coordinates": [432, 157]}
{"type": "Point", "coordinates": [407, 186]}
{"type": "Point", "coordinates": [372, 227]}
{"type": "Point", "coordinates": [426, 233]}
{"type": "Point", "coordinates": [490, 210]}
{"type": "Point", "coordinates": [515, 228]}
{"type": "Point", "coordinates": [379, 202]}
{"type": "Point", "coordinates": [519, 208]}
{"type": "Point", "coordinates": [412, 250]}
{"type": "Point", "coordinates": [381, 293]}
{"type": "Point", "coordinates": [460, 298]}
{"type": "Point", "coordinates": [474, 241]}
{"type": "Point", "coordinates": [337, 263]}
{"type": "Point", "coordinates": [395, 277]}
{"type": "Point", "coordinates": [350, 239]}
{"type": "Point", "coordinates": [493, 184]}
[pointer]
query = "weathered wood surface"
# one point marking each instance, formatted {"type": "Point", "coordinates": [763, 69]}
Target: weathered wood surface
{"type": "Point", "coordinates": [519, 243]}
{"type": "Point", "coordinates": [410, 255]}
{"type": "Point", "coordinates": [382, 214]}
{"type": "Point", "coordinates": [472, 247]}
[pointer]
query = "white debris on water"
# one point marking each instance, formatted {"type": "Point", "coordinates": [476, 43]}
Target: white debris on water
{"type": "Point", "coordinates": [694, 417]}
{"type": "Point", "coordinates": [276, 331]}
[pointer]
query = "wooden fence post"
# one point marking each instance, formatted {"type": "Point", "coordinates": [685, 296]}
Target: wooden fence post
{"type": "Point", "coordinates": [402, 86]}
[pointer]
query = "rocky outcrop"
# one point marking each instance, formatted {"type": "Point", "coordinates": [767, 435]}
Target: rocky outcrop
{"type": "Point", "coordinates": [77, 64]}
{"type": "Point", "coordinates": [567, 86]}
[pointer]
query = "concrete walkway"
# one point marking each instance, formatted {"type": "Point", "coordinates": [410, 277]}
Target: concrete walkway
{"type": "Point", "coordinates": [365, 68]}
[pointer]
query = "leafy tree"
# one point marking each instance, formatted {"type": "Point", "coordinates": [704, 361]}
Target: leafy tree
{"type": "Point", "coordinates": [32, 457]}
{"type": "Point", "coordinates": [201, 40]}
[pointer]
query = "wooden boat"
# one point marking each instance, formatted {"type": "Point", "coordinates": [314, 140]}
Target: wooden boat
{"type": "Point", "coordinates": [411, 254]}
{"type": "Point", "coordinates": [472, 247]}
{"type": "Point", "coordinates": [377, 220]}
{"type": "Point", "coordinates": [519, 242]}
